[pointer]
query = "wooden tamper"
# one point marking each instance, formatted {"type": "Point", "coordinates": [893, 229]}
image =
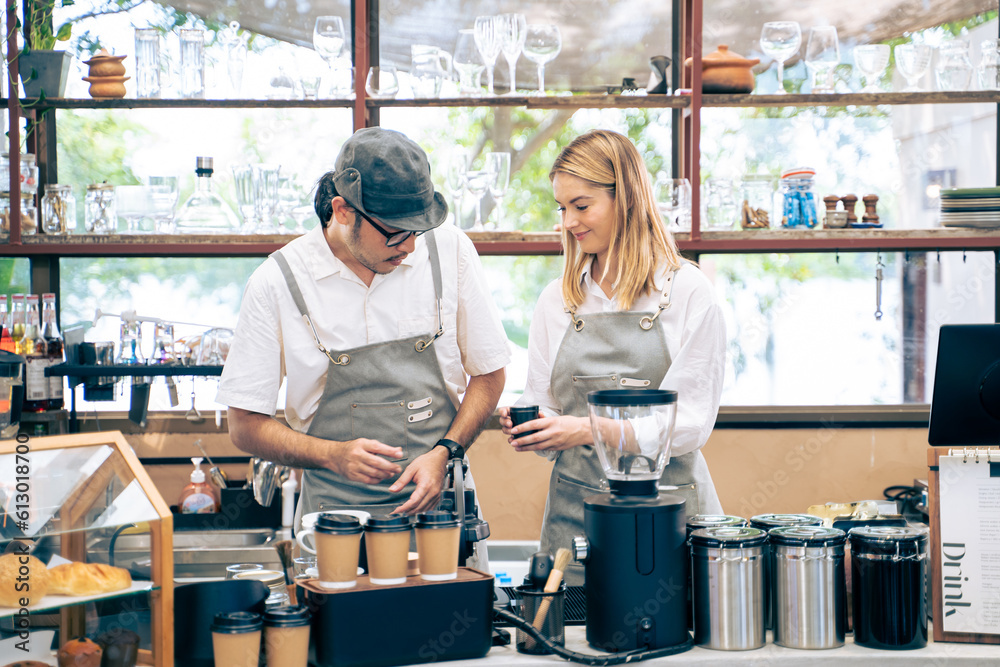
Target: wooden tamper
{"type": "Point", "coordinates": [831, 201]}
{"type": "Point", "coordinates": [849, 202]}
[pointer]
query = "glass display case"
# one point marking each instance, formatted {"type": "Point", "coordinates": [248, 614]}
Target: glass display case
{"type": "Point", "coordinates": [70, 497]}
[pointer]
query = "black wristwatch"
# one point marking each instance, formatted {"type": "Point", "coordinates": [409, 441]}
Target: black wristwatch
{"type": "Point", "coordinates": [455, 450]}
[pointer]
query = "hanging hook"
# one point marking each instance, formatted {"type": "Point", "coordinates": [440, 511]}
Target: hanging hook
{"type": "Point", "coordinates": [836, 255]}
{"type": "Point", "coordinates": [878, 286]}
{"type": "Point", "coordinates": [939, 255]}
{"type": "Point", "coordinates": [963, 256]}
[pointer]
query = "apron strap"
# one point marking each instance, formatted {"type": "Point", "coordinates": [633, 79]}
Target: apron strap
{"type": "Point", "coordinates": [432, 251]}
{"type": "Point", "coordinates": [646, 321]}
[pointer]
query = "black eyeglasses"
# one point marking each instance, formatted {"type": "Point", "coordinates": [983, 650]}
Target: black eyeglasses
{"type": "Point", "coordinates": [392, 239]}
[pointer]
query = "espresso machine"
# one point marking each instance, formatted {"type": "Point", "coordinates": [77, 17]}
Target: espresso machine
{"type": "Point", "coordinates": [634, 552]}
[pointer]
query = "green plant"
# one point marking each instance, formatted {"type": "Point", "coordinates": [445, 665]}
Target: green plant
{"type": "Point", "coordinates": [39, 27]}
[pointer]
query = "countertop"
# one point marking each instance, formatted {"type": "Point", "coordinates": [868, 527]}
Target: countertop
{"type": "Point", "coordinates": [769, 654]}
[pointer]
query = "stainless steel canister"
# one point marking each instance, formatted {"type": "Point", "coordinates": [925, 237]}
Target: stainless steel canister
{"type": "Point", "coordinates": [705, 521]}
{"type": "Point", "coordinates": [809, 589]}
{"type": "Point", "coordinates": [766, 522]}
{"type": "Point", "coordinates": [728, 587]}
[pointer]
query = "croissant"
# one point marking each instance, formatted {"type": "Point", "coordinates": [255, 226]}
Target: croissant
{"type": "Point", "coordinates": [22, 577]}
{"type": "Point", "coordinates": [87, 579]}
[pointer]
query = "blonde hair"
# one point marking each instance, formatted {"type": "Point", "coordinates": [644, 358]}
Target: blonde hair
{"type": "Point", "coordinates": [609, 161]}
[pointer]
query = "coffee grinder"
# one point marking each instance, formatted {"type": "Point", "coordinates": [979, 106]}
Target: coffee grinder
{"type": "Point", "coordinates": [634, 551]}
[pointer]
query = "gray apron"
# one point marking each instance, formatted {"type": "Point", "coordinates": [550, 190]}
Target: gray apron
{"type": "Point", "coordinates": [392, 392]}
{"type": "Point", "coordinates": [617, 350]}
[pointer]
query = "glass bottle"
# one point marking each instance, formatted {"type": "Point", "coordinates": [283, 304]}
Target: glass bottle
{"type": "Point", "coordinates": [130, 351]}
{"type": "Point", "coordinates": [6, 342]}
{"type": "Point", "coordinates": [55, 347]}
{"type": "Point", "coordinates": [36, 360]}
{"type": "Point", "coordinates": [58, 209]}
{"type": "Point", "coordinates": [205, 212]}
{"type": "Point", "coordinates": [18, 321]}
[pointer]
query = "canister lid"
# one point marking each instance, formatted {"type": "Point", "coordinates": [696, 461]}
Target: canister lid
{"type": "Point", "coordinates": [338, 524]}
{"type": "Point", "coordinates": [812, 536]}
{"type": "Point", "coordinates": [632, 397]}
{"type": "Point", "coordinates": [437, 519]}
{"type": "Point", "coordinates": [100, 186]}
{"type": "Point", "coordinates": [887, 535]}
{"type": "Point", "coordinates": [10, 364]}
{"type": "Point", "coordinates": [799, 172]}
{"type": "Point", "coordinates": [769, 521]}
{"type": "Point", "coordinates": [287, 617]}
{"type": "Point", "coordinates": [393, 523]}
{"type": "Point", "coordinates": [714, 521]}
{"type": "Point", "coordinates": [728, 537]}
{"type": "Point", "coordinates": [236, 622]}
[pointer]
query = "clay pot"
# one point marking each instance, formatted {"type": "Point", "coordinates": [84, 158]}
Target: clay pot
{"type": "Point", "coordinates": [105, 64]}
{"type": "Point", "coordinates": [726, 72]}
{"type": "Point", "coordinates": [107, 86]}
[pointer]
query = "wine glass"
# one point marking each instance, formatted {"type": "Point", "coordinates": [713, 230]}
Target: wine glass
{"type": "Point", "coordinates": [134, 204]}
{"type": "Point", "coordinates": [513, 31]}
{"type": "Point", "coordinates": [476, 182]}
{"type": "Point", "coordinates": [163, 191]}
{"type": "Point", "coordinates": [913, 61]}
{"type": "Point", "coordinates": [458, 165]}
{"type": "Point", "coordinates": [265, 190]}
{"type": "Point", "coordinates": [673, 199]}
{"type": "Point", "coordinates": [329, 37]}
{"type": "Point", "coordinates": [487, 33]}
{"type": "Point", "coordinates": [871, 60]}
{"type": "Point", "coordinates": [822, 56]}
{"type": "Point", "coordinates": [780, 40]}
{"type": "Point", "coordinates": [542, 43]}
{"type": "Point", "coordinates": [468, 61]}
{"type": "Point", "coordinates": [245, 202]}
{"type": "Point", "coordinates": [498, 167]}
{"type": "Point", "coordinates": [382, 82]}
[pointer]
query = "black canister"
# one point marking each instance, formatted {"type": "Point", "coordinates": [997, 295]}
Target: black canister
{"type": "Point", "coordinates": [766, 522]}
{"type": "Point", "coordinates": [888, 584]}
{"type": "Point", "coordinates": [706, 521]}
{"type": "Point", "coordinates": [728, 588]}
{"type": "Point", "coordinates": [809, 593]}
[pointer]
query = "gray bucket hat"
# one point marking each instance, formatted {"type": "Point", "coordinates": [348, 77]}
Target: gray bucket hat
{"type": "Point", "coordinates": [386, 175]}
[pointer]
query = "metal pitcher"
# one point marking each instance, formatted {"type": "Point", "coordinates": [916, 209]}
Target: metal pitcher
{"type": "Point", "coordinates": [266, 478]}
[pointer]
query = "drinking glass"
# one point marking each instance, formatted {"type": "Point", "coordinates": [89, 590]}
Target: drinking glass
{"type": "Point", "coordinates": [912, 61]}
{"type": "Point", "coordinates": [513, 31]}
{"type": "Point", "coordinates": [542, 43]}
{"type": "Point", "coordinates": [469, 62]}
{"type": "Point", "coordinates": [673, 198]}
{"type": "Point", "coordinates": [163, 191]}
{"type": "Point", "coordinates": [265, 191]}
{"type": "Point", "coordinates": [989, 65]}
{"type": "Point", "coordinates": [458, 165]}
{"type": "Point", "coordinates": [382, 82]}
{"type": "Point", "coordinates": [134, 204]}
{"type": "Point", "coordinates": [871, 60]}
{"type": "Point", "coordinates": [822, 56]}
{"type": "Point", "coordinates": [192, 63]}
{"type": "Point", "coordinates": [780, 40]}
{"type": "Point", "coordinates": [498, 168]}
{"type": "Point", "coordinates": [720, 204]}
{"type": "Point", "coordinates": [487, 33]}
{"type": "Point", "coordinates": [147, 63]}
{"type": "Point", "coordinates": [477, 182]}
{"type": "Point", "coordinates": [234, 45]}
{"type": "Point", "coordinates": [288, 199]}
{"type": "Point", "coordinates": [245, 200]}
{"type": "Point", "coordinates": [953, 70]}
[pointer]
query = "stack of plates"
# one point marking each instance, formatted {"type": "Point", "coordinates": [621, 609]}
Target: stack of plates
{"type": "Point", "coordinates": [970, 207]}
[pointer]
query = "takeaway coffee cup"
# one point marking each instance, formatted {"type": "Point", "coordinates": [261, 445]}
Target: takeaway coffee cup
{"type": "Point", "coordinates": [387, 544]}
{"type": "Point", "coordinates": [521, 414]}
{"type": "Point", "coordinates": [438, 534]}
{"type": "Point", "coordinates": [338, 544]}
{"type": "Point", "coordinates": [309, 525]}
{"type": "Point", "coordinates": [236, 639]}
{"type": "Point", "coordinates": [286, 636]}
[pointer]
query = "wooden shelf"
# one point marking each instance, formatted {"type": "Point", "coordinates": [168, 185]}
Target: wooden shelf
{"type": "Point", "coordinates": [128, 103]}
{"type": "Point", "coordinates": [845, 240]}
{"type": "Point", "coordinates": [852, 99]}
{"type": "Point", "coordinates": [575, 101]}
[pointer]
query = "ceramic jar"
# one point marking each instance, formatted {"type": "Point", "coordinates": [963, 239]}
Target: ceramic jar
{"type": "Point", "coordinates": [106, 75]}
{"type": "Point", "coordinates": [725, 72]}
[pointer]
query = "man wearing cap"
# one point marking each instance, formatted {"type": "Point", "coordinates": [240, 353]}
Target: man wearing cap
{"type": "Point", "coordinates": [383, 325]}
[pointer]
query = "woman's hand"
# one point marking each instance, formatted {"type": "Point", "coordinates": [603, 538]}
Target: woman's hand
{"type": "Point", "coordinates": [506, 423]}
{"type": "Point", "coordinates": [553, 434]}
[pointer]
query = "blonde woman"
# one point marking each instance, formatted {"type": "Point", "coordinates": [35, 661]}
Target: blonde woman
{"type": "Point", "coordinates": [591, 330]}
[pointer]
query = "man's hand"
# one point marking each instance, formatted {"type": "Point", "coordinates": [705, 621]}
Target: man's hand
{"type": "Point", "coordinates": [427, 472]}
{"type": "Point", "coordinates": [365, 460]}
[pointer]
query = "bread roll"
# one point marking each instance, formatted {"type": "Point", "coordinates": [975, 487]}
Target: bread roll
{"type": "Point", "coordinates": [22, 577]}
{"type": "Point", "coordinates": [87, 579]}
{"type": "Point", "coordinates": [80, 652]}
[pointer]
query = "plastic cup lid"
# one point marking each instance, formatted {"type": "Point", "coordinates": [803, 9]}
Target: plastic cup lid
{"type": "Point", "coordinates": [339, 524]}
{"type": "Point", "coordinates": [236, 622]}
{"type": "Point", "coordinates": [287, 617]}
{"type": "Point", "coordinates": [437, 519]}
{"type": "Point", "coordinates": [393, 523]}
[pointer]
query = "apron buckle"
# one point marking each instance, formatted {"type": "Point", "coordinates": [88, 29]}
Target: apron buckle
{"type": "Point", "coordinates": [646, 323]}
{"type": "Point", "coordinates": [343, 360]}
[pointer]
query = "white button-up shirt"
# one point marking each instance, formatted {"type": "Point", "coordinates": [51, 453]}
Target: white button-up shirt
{"type": "Point", "coordinates": [273, 342]}
{"type": "Point", "coordinates": [695, 335]}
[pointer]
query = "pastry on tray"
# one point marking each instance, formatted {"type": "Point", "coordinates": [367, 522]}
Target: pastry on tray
{"type": "Point", "coordinates": [79, 652]}
{"type": "Point", "coordinates": [87, 579]}
{"type": "Point", "coordinates": [22, 578]}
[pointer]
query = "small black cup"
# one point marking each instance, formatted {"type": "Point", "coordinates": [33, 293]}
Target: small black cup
{"type": "Point", "coordinates": [522, 414]}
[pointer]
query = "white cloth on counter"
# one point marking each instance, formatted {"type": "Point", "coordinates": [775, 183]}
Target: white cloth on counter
{"type": "Point", "coordinates": [696, 339]}
{"type": "Point", "coordinates": [272, 341]}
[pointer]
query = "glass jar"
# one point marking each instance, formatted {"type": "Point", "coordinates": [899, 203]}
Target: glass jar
{"type": "Point", "coordinates": [721, 211]}
{"type": "Point", "coordinates": [798, 200]}
{"type": "Point", "coordinates": [954, 69]}
{"type": "Point", "coordinates": [757, 200]}
{"type": "Point", "coordinates": [29, 214]}
{"type": "Point", "coordinates": [989, 65]}
{"type": "Point", "coordinates": [58, 209]}
{"type": "Point", "coordinates": [100, 216]}
{"type": "Point", "coordinates": [29, 174]}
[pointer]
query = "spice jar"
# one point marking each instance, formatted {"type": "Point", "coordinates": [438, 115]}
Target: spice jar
{"type": "Point", "coordinates": [798, 207]}
{"type": "Point", "coordinates": [100, 216]}
{"type": "Point", "coordinates": [29, 221]}
{"type": "Point", "coordinates": [29, 174]}
{"type": "Point", "coordinates": [58, 209]}
{"type": "Point", "coordinates": [757, 199]}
